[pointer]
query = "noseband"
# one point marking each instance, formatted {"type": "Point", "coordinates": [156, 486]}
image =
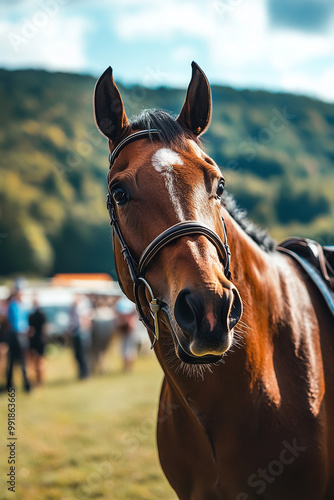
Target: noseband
{"type": "Point", "coordinates": [137, 269]}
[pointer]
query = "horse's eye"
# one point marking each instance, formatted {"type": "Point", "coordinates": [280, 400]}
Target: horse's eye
{"type": "Point", "coordinates": [120, 195]}
{"type": "Point", "coordinates": [220, 188]}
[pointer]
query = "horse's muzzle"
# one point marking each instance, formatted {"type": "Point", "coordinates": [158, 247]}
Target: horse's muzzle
{"type": "Point", "coordinates": [206, 320]}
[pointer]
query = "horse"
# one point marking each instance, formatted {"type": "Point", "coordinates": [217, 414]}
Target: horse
{"type": "Point", "coordinates": [244, 338]}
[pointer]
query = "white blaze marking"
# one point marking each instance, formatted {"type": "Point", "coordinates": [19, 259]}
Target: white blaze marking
{"type": "Point", "coordinates": [163, 161]}
{"type": "Point", "coordinates": [165, 158]}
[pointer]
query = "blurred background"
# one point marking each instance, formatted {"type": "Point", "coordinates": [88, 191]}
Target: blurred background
{"type": "Point", "coordinates": [270, 64]}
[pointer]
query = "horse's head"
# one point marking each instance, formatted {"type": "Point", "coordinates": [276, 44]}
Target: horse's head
{"type": "Point", "coordinates": [159, 181]}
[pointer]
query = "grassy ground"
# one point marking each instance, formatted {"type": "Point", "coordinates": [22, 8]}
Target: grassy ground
{"type": "Point", "coordinates": [92, 439]}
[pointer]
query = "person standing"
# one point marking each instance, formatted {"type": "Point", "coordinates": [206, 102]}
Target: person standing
{"type": "Point", "coordinates": [79, 330]}
{"type": "Point", "coordinates": [37, 322]}
{"type": "Point", "coordinates": [127, 321]}
{"type": "Point", "coordinates": [4, 329]}
{"type": "Point", "coordinates": [17, 338]}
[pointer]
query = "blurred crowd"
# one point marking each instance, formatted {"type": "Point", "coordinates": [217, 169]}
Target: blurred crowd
{"type": "Point", "coordinates": [92, 323]}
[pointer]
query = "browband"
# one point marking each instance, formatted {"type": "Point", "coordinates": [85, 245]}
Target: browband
{"type": "Point", "coordinates": [131, 138]}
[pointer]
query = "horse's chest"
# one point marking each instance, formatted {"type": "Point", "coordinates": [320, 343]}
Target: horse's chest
{"type": "Point", "coordinates": [269, 463]}
{"type": "Point", "coordinates": [221, 459]}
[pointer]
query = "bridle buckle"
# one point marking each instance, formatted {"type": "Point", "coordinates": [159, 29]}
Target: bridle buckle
{"type": "Point", "coordinates": [154, 308]}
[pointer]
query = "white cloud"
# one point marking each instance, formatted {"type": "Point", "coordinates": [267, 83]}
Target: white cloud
{"type": "Point", "coordinates": [162, 20]}
{"type": "Point", "coordinates": [237, 38]}
{"type": "Point", "coordinates": [53, 43]}
{"type": "Point", "coordinates": [242, 47]}
{"type": "Point", "coordinates": [320, 85]}
{"type": "Point", "coordinates": [291, 48]}
{"type": "Point", "coordinates": [325, 85]}
{"type": "Point", "coordinates": [233, 40]}
{"type": "Point", "coordinates": [181, 54]}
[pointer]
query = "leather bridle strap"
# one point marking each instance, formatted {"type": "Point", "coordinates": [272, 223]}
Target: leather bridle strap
{"type": "Point", "coordinates": [125, 250]}
{"type": "Point", "coordinates": [178, 231]}
{"type": "Point", "coordinates": [131, 138]}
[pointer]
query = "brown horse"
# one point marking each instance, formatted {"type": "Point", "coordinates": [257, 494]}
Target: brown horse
{"type": "Point", "coordinates": [246, 407]}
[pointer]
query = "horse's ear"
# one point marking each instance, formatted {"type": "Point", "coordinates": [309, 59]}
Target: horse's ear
{"type": "Point", "coordinates": [110, 116]}
{"type": "Point", "coordinates": [195, 114]}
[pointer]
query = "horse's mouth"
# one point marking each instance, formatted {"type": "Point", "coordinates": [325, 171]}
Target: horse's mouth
{"type": "Point", "coordinates": [181, 350]}
{"type": "Point", "coordinates": [186, 357]}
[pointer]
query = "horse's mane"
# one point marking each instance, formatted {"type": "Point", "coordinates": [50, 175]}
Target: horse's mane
{"type": "Point", "coordinates": [260, 236]}
{"type": "Point", "coordinates": [172, 134]}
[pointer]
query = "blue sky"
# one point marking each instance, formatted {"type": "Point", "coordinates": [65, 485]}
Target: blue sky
{"type": "Point", "coordinates": [280, 45]}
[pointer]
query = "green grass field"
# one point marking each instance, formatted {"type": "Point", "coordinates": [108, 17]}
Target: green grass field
{"type": "Point", "coordinates": [91, 439]}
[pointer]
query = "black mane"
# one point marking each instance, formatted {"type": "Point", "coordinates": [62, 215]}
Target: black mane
{"type": "Point", "coordinates": [260, 236]}
{"type": "Point", "coordinates": [172, 134]}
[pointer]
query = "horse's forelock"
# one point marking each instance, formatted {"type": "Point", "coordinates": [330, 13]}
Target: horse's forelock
{"type": "Point", "coordinates": [171, 132]}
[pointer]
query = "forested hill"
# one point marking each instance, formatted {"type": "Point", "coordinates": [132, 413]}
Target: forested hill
{"type": "Point", "coordinates": [276, 150]}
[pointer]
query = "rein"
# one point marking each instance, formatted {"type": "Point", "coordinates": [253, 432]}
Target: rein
{"type": "Point", "coordinates": [137, 270]}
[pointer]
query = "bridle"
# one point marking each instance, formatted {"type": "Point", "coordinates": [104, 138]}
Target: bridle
{"type": "Point", "coordinates": [137, 269]}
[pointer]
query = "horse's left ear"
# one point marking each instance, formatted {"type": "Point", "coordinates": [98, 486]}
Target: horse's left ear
{"type": "Point", "coordinates": [110, 116]}
{"type": "Point", "coordinates": [195, 114]}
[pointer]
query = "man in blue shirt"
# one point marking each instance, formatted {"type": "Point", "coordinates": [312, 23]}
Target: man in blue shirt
{"type": "Point", "coordinates": [17, 338]}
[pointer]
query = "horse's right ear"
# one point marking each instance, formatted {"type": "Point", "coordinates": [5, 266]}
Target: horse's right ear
{"type": "Point", "coordinates": [110, 116]}
{"type": "Point", "coordinates": [195, 114]}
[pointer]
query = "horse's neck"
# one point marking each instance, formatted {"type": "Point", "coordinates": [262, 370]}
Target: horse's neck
{"type": "Point", "coordinates": [278, 327]}
{"type": "Point", "coordinates": [260, 279]}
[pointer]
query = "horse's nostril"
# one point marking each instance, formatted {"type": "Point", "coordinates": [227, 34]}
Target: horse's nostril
{"type": "Point", "coordinates": [187, 310]}
{"type": "Point", "coordinates": [193, 319]}
{"type": "Point", "coordinates": [236, 310]}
